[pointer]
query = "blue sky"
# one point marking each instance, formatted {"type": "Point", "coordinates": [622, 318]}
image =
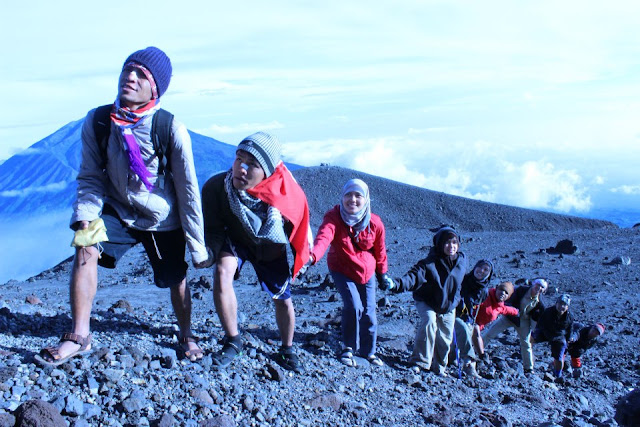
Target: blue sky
{"type": "Point", "coordinates": [533, 104]}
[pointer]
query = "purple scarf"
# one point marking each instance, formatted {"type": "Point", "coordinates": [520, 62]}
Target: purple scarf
{"type": "Point", "coordinates": [127, 120]}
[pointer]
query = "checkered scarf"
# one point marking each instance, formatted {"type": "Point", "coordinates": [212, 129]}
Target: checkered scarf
{"type": "Point", "coordinates": [260, 220]}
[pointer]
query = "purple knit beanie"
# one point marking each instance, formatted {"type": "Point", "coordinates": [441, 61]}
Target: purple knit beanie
{"type": "Point", "coordinates": [157, 62]}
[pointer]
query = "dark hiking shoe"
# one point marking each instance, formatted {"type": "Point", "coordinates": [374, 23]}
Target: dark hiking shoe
{"type": "Point", "coordinates": [288, 359]}
{"type": "Point", "coordinates": [577, 373]}
{"type": "Point", "coordinates": [231, 348]}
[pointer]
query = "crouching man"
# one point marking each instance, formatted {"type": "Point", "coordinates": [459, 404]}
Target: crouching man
{"type": "Point", "coordinates": [251, 212]}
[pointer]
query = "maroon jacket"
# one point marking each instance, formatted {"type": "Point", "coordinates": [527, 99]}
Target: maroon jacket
{"type": "Point", "coordinates": [358, 261]}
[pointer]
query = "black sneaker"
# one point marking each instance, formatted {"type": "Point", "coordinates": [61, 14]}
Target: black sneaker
{"type": "Point", "coordinates": [231, 348]}
{"type": "Point", "coordinates": [288, 359]}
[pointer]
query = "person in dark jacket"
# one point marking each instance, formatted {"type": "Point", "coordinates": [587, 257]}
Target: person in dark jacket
{"type": "Point", "coordinates": [357, 260]}
{"type": "Point", "coordinates": [436, 281]}
{"type": "Point", "coordinates": [554, 326]}
{"type": "Point", "coordinates": [473, 292]}
{"type": "Point", "coordinates": [527, 299]}
{"type": "Point", "coordinates": [585, 337]}
{"type": "Point", "coordinates": [251, 213]}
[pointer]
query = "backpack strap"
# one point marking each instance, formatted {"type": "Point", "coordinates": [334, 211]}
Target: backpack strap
{"type": "Point", "coordinates": [161, 138]}
{"type": "Point", "coordinates": [102, 129]}
{"type": "Point", "coordinates": [160, 135]}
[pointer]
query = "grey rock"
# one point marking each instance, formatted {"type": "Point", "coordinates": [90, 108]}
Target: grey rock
{"type": "Point", "coordinates": [167, 420]}
{"type": "Point", "coordinates": [91, 411]}
{"type": "Point", "coordinates": [93, 385]}
{"type": "Point", "coordinates": [59, 403]}
{"type": "Point", "coordinates": [201, 396]}
{"type": "Point", "coordinates": [219, 421]}
{"type": "Point", "coordinates": [628, 409]}
{"type": "Point", "coordinates": [73, 406]}
{"type": "Point", "coordinates": [113, 375]}
{"type": "Point", "coordinates": [329, 400]}
{"type": "Point", "coordinates": [132, 404]}
{"type": "Point", "coordinates": [248, 404]}
{"type": "Point", "coordinates": [7, 420]}
{"type": "Point", "coordinates": [168, 358]}
{"type": "Point", "coordinates": [38, 413]}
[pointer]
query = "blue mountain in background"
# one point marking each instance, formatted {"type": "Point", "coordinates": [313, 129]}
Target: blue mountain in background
{"type": "Point", "coordinates": [41, 179]}
{"type": "Point", "coordinates": [37, 189]}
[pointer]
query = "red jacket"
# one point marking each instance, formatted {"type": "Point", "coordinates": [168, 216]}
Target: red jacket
{"type": "Point", "coordinates": [357, 263]}
{"type": "Point", "coordinates": [491, 308]}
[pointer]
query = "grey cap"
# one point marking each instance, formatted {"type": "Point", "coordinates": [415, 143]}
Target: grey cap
{"type": "Point", "coordinates": [564, 299]}
{"type": "Point", "coordinates": [265, 148]}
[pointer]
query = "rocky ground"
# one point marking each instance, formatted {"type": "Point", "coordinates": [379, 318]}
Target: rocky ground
{"type": "Point", "coordinates": [136, 375]}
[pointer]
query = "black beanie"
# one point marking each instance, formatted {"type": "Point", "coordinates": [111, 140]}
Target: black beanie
{"type": "Point", "coordinates": [157, 62]}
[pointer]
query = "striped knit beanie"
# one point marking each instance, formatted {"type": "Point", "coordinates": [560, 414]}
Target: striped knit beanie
{"type": "Point", "coordinates": [265, 148]}
{"type": "Point", "coordinates": [157, 62]}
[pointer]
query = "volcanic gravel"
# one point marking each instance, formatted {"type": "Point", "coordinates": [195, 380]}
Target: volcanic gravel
{"type": "Point", "coordinates": [136, 375]}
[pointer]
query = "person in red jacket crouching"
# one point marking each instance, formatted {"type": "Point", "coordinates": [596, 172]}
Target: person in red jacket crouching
{"type": "Point", "coordinates": [489, 311]}
{"type": "Point", "coordinates": [357, 258]}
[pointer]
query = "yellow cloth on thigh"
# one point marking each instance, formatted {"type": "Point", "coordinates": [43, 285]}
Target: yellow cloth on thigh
{"type": "Point", "coordinates": [95, 233]}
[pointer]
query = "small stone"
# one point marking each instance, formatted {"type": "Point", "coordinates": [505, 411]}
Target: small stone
{"type": "Point", "coordinates": [73, 406]}
{"type": "Point", "coordinates": [34, 300]}
{"type": "Point", "coordinates": [167, 420]}
{"type": "Point", "coordinates": [201, 396]}
{"type": "Point", "coordinates": [113, 375]}
{"type": "Point", "coordinates": [93, 385]}
{"type": "Point", "coordinates": [248, 404]}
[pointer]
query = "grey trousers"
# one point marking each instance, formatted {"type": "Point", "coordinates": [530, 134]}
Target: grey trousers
{"type": "Point", "coordinates": [433, 338]}
{"type": "Point", "coordinates": [524, 334]}
{"type": "Point", "coordinates": [463, 331]}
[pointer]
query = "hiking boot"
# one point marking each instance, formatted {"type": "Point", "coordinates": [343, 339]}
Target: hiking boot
{"type": "Point", "coordinates": [577, 373]}
{"type": "Point", "coordinates": [231, 348]}
{"type": "Point", "coordinates": [288, 359]}
{"type": "Point", "coordinates": [470, 370]}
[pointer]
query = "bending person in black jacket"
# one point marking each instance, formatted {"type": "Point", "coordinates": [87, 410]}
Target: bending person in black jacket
{"type": "Point", "coordinates": [587, 336]}
{"type": "Point", "coordinates": [474, 291]}
{"type": "Point", "coordinates": [435, 282]}
{"type": "Point", "coordinates": [527, 299]}
{"type": "Point", "coordinates": [554, 326]}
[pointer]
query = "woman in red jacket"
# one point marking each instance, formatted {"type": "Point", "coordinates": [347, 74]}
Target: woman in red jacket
{"type": "Point", "coordinates": [489, 311]}
{"type": "Point", "coordinates": [357, 257]}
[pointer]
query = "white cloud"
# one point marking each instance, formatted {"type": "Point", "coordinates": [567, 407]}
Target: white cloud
{"type": "Point", "coordinates": [627, 189]}
{"type": "Point", "coordinates": [477, 171]}
{"type": "Point", "coordinates": [240, 128]}
{"type": "Point", "coordinates": [56, 186]}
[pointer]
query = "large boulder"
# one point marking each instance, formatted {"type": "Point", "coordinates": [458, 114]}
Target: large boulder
{"type": "Point", "coordinates": [628, 409]}
{"type": "Point", "coordinates": [38, 413]}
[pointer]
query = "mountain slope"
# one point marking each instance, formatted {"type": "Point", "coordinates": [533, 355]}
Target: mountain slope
{"type": "Point", "coordinates": [42, 177]}
{"type": "Point", "coordinates": [422, 208]}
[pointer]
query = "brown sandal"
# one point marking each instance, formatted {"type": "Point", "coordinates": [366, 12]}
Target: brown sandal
{"type": "Point", "coordinates": [50, 356]}
{"type": "Point", "coordinates": [194, 354]}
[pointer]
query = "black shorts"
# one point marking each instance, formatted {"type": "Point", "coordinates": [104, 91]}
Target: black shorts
{"type": "Point", "coordinates": [165, 249]}
{"type": "Point", "coordinates": [274, 276]}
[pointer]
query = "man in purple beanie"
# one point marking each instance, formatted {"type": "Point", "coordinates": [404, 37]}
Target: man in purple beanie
{"type": "Point", "coordinates": [138, 184]}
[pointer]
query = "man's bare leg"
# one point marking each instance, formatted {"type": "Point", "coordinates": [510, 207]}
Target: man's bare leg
{"type": "Point", "coordinates": [181, 301]}
{"type": "Point", "coordinates": [82, 290]}
{"type": "Point", "coordinates": [224, 296]}
{"type": "Point", "coordinates": [286, 320]}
